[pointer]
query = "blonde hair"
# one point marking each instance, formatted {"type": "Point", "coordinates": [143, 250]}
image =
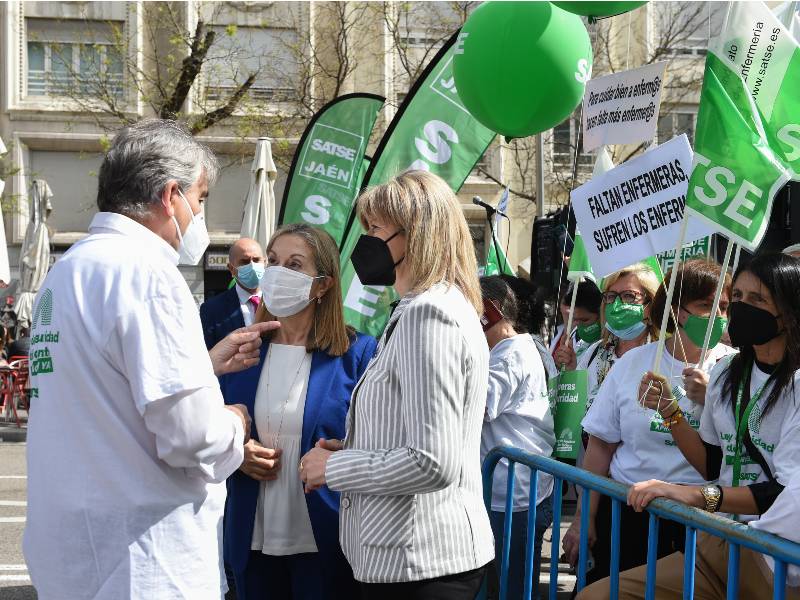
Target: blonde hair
{"type": "Point", "coordinates": [329, 333]}
{"type": "Point", "coordinates": [439, 246]}
{"type": "Point", "coordinates": [647, 279]}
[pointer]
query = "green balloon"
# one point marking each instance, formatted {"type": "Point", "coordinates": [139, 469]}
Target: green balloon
{"type": "Point", "coordinates": [600, 8]}
{"type": "Point", "coordinates": [522, 66]}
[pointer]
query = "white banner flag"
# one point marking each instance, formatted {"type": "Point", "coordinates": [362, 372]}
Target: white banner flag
{"type": "Point", "coordinates": [622, 108]}
{"type": "Point", "coordinates": [635, 210]}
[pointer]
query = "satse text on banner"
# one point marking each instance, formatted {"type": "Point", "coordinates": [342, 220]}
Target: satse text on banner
{"type": "Point", "coordinates": [635, 210]}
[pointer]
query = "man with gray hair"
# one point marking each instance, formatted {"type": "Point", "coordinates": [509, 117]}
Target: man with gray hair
{"type": "Point", "coordinates": [129, 442]}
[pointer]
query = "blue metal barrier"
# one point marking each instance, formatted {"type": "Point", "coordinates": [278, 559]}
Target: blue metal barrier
{"type": "Point", "coordinates": [738, 535]}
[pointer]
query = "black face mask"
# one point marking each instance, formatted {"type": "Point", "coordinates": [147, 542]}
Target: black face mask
{"type": "Point", "coordinates": [750, 325]}
{"type": "Point", "coordinates": [373, 261]}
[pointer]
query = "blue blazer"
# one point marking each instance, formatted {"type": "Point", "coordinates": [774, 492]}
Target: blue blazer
{"type": "Point", "coordinates": [220, 315]}
{"type": "Point", "coordinates": [330, 386]}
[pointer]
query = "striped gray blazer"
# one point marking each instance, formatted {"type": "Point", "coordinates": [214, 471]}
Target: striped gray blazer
{"type": "Point", "coordinates": [409, 473]}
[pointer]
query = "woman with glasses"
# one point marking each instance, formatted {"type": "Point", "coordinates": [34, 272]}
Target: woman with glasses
{"type": "Point", "coordinates": [624, 313]}
{"type": "Point", "coordinates": [630, 442]}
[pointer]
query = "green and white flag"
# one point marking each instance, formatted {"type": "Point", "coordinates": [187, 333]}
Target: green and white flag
{"type": "Point", "coordinates": [579, 265]}
{"type": "Point", "coordinates": [326, 173]}
{"type": "Point", "coordinates": [496, 261]}
{"type": "Point", "coordinates": [432, 131]}
{"type": "Point", "coordinates": [747, 141]}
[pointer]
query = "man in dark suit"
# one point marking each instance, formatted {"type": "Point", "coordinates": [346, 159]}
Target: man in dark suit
{"type": "Point", "coordinates": [235, 307]}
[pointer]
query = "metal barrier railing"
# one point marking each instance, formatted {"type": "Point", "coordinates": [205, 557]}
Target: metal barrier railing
{"type": "Point", "coordinates": [737, 534]}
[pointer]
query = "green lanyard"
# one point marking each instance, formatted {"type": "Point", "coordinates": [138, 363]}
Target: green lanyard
{"type": "Point", "coordinates": [741, 422]}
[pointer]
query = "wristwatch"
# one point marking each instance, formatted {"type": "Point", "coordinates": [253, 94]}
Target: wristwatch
{"type": "Point", "coordinates": [712, 494]}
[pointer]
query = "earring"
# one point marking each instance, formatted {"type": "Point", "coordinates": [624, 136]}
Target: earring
{"type": "Point", "coordinates": [319, 299]}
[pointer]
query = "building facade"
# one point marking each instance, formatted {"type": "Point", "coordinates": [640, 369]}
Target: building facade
{"type": "Point", "coordinates": [73, 72]}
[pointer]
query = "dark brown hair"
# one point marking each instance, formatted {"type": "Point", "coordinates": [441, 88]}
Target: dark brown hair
{"type": "Point", "coordinates": [697, 280]}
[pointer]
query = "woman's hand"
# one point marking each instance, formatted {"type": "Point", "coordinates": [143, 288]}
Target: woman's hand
{"type": "Point", "coordinates": [261, 463]}
{"type": "Point", "coordinates": [312, 465]}
{"type": "Point", "coordinates": [655, 393]}
{"type": "Point", "coordinates": [696, 381]}
{"type": "Point", "coordinates": [564, 356]}
{"type": "Point", "coordinates": [572, 539]}
{"type": "Point", "coordinates": [642, 493]}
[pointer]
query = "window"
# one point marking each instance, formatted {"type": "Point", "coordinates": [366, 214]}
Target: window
{"type": "Point", "coordinates": [71, 58]}
{"type": "Point", "coordinates": [685, 28]}
{"type": "Point", "coordinates": [676, 123]}
{"type": "Point", "coordinates": [565, 138]}
{"type": "Point", "coordinates": [271, 53]}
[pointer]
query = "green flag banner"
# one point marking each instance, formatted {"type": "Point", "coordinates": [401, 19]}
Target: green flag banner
{"type": "Point", "coordinates": [747, 141]}
{"type": "Point", "coordinates": [432, 131]}
{"type": "Point", "coordinates": [496, 261]}
{"type": "Point", "coordinates": [579, 265]}
{"type": "Point", "coordinates": [568, 394]}
{"type": "Point", "coordinates": [326, 172]}
{"type": "Point", "coordinates": [698, 249]}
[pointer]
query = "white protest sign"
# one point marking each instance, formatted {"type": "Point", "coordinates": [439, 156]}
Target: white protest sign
{"type": "Point", "coordinates": [622, 108]}
{"type": "Point", "coordinates": [635, 210]}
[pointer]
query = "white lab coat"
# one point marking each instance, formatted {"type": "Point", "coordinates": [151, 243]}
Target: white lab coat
{"type": "Point", "coordinates": [128, 442]}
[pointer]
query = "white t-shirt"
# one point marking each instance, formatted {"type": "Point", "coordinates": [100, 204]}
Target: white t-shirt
{"type": "Point", "coordinates": [646, 449]}
{"type": "Point", "coordinates": [282, 525]}
{"type": "Point", "coordinates": [783, 519]}
{"type": "Point", "coordinates": [517, 414]}
{"type": "Point", "coordinates": [247, 307]}
{"type": "Point", "coordinates": [129, 442]}
{"type": "Point", "coordinates": [775, 434]}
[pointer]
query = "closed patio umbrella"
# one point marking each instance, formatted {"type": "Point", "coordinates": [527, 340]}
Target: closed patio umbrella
{"type": "Point", "coordinates": [258, 221]}
{"type": "Point", "coordinates": [35, 252]}
{"type": "Point", "coordinates": [5, 271]}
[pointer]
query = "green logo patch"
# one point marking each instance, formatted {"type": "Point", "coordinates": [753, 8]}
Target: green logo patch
{"type": "Point", "coordinates": [331, 156]}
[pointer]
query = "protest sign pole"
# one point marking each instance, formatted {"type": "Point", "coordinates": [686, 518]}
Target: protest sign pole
{"type": "Point", "coordinates": [662, 333]}
{"type": "Point", "coordinates": [736, 259]}
{"type": "Point", "coordinates": [568, 325]}
{"type": "Point", "coordinates": [715, 306]}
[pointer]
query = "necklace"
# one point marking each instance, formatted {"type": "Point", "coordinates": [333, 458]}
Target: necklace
{"type": "Point", "coordinates": [277, 436]}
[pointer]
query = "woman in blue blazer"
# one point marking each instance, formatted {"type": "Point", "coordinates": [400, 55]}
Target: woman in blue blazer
{"type": "Point", "coordinates": [280, 542]}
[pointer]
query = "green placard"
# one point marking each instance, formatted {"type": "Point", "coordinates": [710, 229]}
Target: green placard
{"type": "Point", "coordinates": [698, 249]}
{"type": "Point", "coordinates": [568, 394]}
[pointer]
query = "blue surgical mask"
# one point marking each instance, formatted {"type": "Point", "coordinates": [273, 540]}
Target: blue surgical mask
{"type": "Point", "coordinates": [250, 274]}
{"type": "Point", "coordinates": [629, 333]}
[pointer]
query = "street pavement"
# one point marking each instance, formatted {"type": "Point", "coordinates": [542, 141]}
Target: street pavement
{"type": "Point", "coordinates": [14, 581]}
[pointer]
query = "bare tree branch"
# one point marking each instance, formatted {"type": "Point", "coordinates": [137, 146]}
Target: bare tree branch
{"type": "Point", "coordinates": [190, 69]}
{"type": "Point", "coordinates": [215, 116]}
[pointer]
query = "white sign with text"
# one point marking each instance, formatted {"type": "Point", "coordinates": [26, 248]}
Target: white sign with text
{"type": "Point", "coordinates": [622, 108]}
{"type": "Point", "coordinates": [634, 211]}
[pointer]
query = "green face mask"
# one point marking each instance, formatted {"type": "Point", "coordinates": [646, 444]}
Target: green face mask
{"type": "Point", "coordinates": [625, 320]}
{"type": "Point", "coordinates": [695, 328]}
{"type": "Point", "coordinates": [590, 333]}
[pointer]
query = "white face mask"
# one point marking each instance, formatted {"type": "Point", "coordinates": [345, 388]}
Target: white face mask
{"type": "Point", "coordinates": [285, 292]}
{"type": "Point", "coordinates": [194, 241]}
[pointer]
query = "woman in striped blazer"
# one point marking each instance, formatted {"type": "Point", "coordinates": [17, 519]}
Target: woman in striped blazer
{"type": "Point", "coordinates": [412, 520]}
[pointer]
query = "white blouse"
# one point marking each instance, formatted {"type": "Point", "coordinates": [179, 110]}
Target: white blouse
{"type": "Point", "coordinates": [282, 525]}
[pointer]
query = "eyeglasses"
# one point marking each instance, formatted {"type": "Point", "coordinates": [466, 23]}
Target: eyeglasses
{"type": "Point", "coordinates": [627, 297]}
